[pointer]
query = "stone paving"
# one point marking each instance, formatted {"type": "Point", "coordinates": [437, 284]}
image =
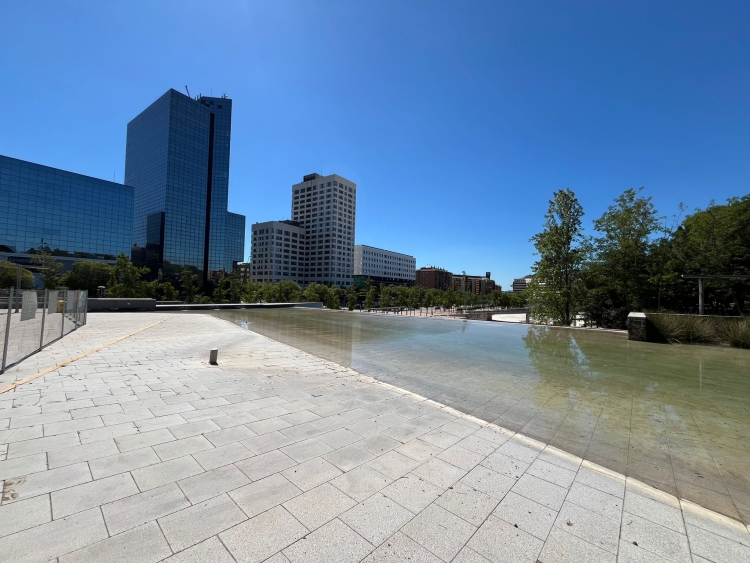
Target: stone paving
{"type": "Point", "coordinates": [142, 452]}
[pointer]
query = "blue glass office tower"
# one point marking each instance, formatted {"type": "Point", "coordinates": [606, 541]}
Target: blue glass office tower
{"type": "Point", "coordinates": [75, 216]}
{"type": "Point", "coordinates": [177, 160]}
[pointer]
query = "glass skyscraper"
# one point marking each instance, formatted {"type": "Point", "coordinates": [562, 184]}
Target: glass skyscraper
{"type": "Point", "coordinates": [72, 215]}
{"type": "Point", "coordinates": [177, 160]}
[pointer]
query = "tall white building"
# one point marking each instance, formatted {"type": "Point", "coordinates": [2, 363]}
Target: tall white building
{"type": "Point", "coordinates": [384, 265]}
{"type": "Point", "coordinates": [325, 206]}
{"type": "Point", "coordinates": [277, 249]}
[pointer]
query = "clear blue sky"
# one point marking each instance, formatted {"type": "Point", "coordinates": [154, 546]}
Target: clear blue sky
{"type": "Point", "coordinates": [457, 120]}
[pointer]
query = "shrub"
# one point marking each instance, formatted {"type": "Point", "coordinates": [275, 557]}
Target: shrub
{"type": "Point", "coordinates": [736, 334]}
{"type": "Point", "coordinates": [696, 329]}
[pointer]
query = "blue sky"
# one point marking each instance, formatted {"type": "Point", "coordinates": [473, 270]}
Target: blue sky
{"type": "Point", "coordinates": [457, 120]}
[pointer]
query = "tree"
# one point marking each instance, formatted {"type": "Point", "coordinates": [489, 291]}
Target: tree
{"type": "Point", "coordinates": [316, 292]}
{"type": "Point", "coordinates": [370, 298]}
{"type": "Point", "coordinates": [88, 275]}
{"type": "Point", "coordinates": [288, 291]}
{"type": "Point", "coordinates": [556, 290]}
{"type": "Point", "coordinates": [385, 295]}
{"type": "Point", "coordinates": [188, 284]}
{"type": "Point", "coordinates": [9, 276]}
{"type": "Point", "coordinates": [619, 272]}
{"type": "Point", "coordinates": [163, 291]}
{"type": "Point", "coordinates": [50, 268]}
{"type": "Point", "coordinates": [333, 298]}
{"type": "Point", "coordinates": [351, 300]}
{"type": "Point", "coordinates": [125, 280]}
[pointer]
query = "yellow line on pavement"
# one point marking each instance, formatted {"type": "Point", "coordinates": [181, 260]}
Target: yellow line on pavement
{"type": "Point", "coordinates": [66, 362]}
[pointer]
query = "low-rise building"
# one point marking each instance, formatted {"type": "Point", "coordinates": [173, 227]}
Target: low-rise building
{"type": "Point", "coordinates": [520, 284]}
{"type": "Point", "coordinates": [475, 284]}
{"type": "Point", "coordinates": [71, 216]}
{"type": "Point", "coordinates": [383, 266]}
{"type": "Point", "coordinates": [434, 278]}
{"type": "Point", "coordinates": [277, 251]}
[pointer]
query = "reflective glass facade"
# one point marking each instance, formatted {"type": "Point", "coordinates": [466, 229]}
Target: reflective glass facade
{"type": "Point", "coordinates": [235, 245]}
{"type": "Point", "coordinates": [177, 160]}
{"type": "Point", "coordinates": [76, 215]}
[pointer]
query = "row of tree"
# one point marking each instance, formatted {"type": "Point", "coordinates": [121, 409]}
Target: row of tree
{"type": "Point", "coordinates": [636, 260]}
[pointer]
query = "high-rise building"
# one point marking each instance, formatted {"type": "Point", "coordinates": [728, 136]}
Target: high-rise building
{"type": "Point", "coordinates": [177, 160]}
{"type": "Point", "coordinates": [383, 266]}
{"type": "Point", "coordinates": [71, 215]}
{"type": "Point", "coordinates": [325, 206]}
{"type": "Point", "coordinates": [277, 251]}
{"type": "Point", "coordinates": [434, 278]}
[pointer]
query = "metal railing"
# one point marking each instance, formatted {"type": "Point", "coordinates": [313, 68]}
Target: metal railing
{"type": "Point", "coordinates": [32, 319]}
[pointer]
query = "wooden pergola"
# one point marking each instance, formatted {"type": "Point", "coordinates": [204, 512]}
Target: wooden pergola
{"type": "Point", "coordinates": [701, 283]}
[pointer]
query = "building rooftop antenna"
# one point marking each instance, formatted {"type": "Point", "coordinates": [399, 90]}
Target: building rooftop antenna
{"type": "Point", "coordinates": [188, 91]}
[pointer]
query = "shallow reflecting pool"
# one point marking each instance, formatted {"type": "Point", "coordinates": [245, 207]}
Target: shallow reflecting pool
{"type": "Point", "coordinates": [675, 417]}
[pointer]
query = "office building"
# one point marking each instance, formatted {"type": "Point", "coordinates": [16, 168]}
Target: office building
{"type": "Point", "coordinates": [474, 284]}
{"type": "Point", "coordinates": [75, 217]}
{"type": "Point", "coordinates": [383, 266]}
{"type": "Point", "coordinates": [177, 160]}
{"type": "Point", "coordinates": [277, 252]}
{"type": "Point", "coordinates": [325, 207]}
{"type": "Point", "coordinates": [434, 278]}
{"type": "Point", "coordinates": [520, 284]}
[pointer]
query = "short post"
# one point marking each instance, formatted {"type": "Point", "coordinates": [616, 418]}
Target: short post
{"type": "Point", "coordinates": [7, 331]}
{"type": "Point", "coordinates": [213, 357]}
{"type": "Point", "coordinates": [700, 295]}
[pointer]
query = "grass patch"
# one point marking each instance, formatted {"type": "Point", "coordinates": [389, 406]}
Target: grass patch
{"type": "Point", "coordinates": [697, 329]}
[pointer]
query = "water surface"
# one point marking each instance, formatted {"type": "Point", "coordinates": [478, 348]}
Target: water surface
{"type": "Point", "coordinates": [675, 417]}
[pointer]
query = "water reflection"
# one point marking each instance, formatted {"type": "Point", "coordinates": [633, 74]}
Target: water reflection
{"type": "Point", "coordinates": [676, 417]}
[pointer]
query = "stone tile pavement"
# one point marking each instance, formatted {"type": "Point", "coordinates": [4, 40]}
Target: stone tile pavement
{"type": "Point", "coordinates": [142, 452]}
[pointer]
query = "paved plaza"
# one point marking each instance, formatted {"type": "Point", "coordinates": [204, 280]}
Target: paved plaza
{"type": "Point", "coordinates": [143, 452]}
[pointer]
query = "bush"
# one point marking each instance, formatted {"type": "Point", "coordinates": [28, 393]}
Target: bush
{"type": "Point", "coordinates": [736, 334]}
{"type": "Point", "coordinates": [9, 275]}
{"type": "Point", "coordinates": [696, 329]}
{"type": "Point", "coordinates": [88, 275]}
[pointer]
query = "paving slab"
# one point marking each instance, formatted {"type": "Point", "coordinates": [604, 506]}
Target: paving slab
{"type": "Point", "coordinates": [143, 452]}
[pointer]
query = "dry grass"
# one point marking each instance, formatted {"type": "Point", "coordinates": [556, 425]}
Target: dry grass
{"type": "Point", "coordinates": [696, 329]}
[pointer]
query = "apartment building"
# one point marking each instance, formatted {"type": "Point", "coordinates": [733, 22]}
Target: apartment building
{"type": "Point", "coordinates": [277, 251]}
{"type": "Point", "coordinates": [325, 207]}
{"type": "Point", "coordinates": [434, 278]}
{"type": "Point", "coordinates": [475, 284]}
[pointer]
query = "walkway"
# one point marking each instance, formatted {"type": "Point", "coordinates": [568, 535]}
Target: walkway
{"type": "Point", "coordinates": [142, 452]}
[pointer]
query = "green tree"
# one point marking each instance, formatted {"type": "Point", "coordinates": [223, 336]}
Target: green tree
{"type": "Point", "coordinates": [370, 298]}
{"type": "Point", "coordinates": [125, 279]}
{"type": "Point", "coordinates": [711, 241]}
{"type": "Point", "coordinates": [188, 285]}
{"type": "Point", "coordinates": [351, 299]}
{"type": "Point", "coordinates": [288, 291]}
{"type": "Point", "coordinates": [316, 292]}
{"type": "Point", "coordinates": [556, 291]}
{"type": "Point", "coordinates": [50, 268]}
{"type": "Point", "coordinates": [386, 293]}
{"type": "Point", "coordinates": [333, 298]}
{"type": "Point", "coordinates": [88, 275]}
{"type": "Point", "coordinates": [9, 276]}
{"type": "Point", "coordinates": [619, 274]}
{"type": "Point", "coordinates": [164, 291]}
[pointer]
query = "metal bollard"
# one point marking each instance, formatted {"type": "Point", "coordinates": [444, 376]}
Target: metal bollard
{"type": "Point", "coordinates": [213, 357]}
